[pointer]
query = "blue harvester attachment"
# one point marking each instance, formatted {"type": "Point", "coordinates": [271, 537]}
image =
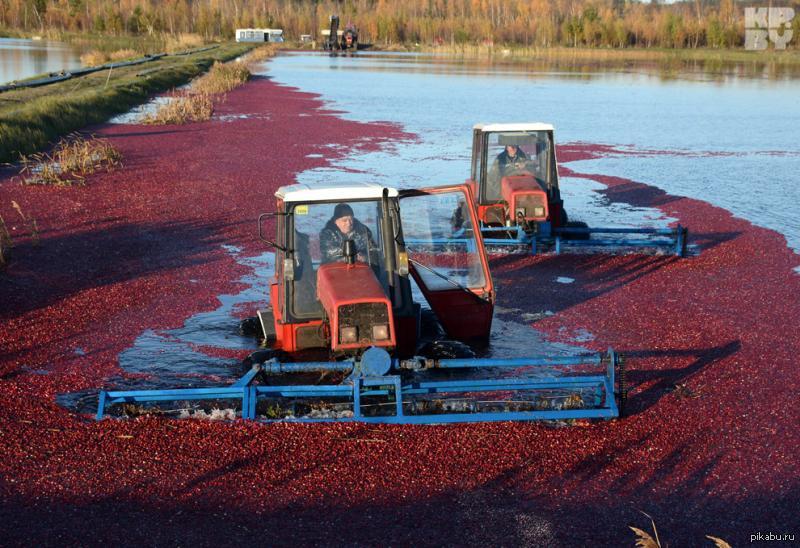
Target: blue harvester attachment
{"type": "Point", "coordinates": [380, 389]}
{"type": "Point", "coordinates": [672, 239]}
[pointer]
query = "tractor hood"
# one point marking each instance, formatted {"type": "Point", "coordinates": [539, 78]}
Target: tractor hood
{"type": "Point", "coordinates": [356, 306]}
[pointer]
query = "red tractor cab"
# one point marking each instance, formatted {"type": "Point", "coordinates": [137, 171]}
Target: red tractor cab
{"type": "Point", "coordinates": [515, 180]}
{"type": "Point", "coordinates": [346, 291]}
{"type": "Point", "coordinates": [515, 177]}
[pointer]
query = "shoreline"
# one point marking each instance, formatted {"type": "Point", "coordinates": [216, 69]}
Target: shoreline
{"type": "Point", "coordinates": [119, 256]}
{"type": "Point", "coordinates": [31, 119]}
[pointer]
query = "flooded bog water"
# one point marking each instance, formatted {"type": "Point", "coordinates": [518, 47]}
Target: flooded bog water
{"type": "Point", "coordinates": [728, 139]}
{"type": "Point", "coordinates": [25, 58]}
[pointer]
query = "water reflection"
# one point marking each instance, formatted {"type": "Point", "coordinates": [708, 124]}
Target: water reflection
{"type": "Point", "coordinates": [25, 58]}
{"type": "Point", "coordinates": [577, 66]}
{"type": "Point", "coordinates": [728, 139]}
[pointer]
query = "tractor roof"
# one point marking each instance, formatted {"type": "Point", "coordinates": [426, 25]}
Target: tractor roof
{"type": "Point", "coordinates": [522, 126]}
{"type": "Point", "coordinates": [332, 192]}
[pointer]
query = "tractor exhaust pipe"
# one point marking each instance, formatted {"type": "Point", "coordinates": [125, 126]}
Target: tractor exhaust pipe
{"type": "Point", "coordinates": [349, 251]}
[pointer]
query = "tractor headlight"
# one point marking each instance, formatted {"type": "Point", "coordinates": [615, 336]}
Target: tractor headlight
{"type": "Point", "coordinates": [380, 332]}
{"type": "Point", "coordinates": [348, 335]}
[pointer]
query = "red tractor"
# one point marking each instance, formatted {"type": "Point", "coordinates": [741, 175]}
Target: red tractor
{"type": "Point", "coordinates": [345, 301]}
{"type": "Point", "coordinates": [514, 177]}
{"type": "Point", "coordinates": [350, 260]}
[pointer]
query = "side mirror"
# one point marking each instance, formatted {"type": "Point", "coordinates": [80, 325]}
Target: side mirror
{"type": "Point", "coordinates": [261, 229]}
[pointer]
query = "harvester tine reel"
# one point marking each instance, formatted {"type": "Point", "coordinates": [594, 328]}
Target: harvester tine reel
{"type": "Point", "coordinates": [379, 389]}
{"type": "Point", "coordinates": [674, 239]}
{"type": "Point", "coordinates": [667, 238]}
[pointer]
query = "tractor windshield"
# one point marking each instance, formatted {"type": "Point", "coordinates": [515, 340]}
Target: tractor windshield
{"type": "Point", "coordinates": [320, 230]}
{"type": "Point", "coordinates": [447, 259]}
{"type": "Point", "coordinates": [441, 242]}
{"type": "Point", "coordinates": [515, 153]}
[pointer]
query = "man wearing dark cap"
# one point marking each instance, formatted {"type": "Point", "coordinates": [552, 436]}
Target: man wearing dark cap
{"type": "Point", "coordinates": [344, 226]}
{"type": "Point", "coordinates": [508, 162]}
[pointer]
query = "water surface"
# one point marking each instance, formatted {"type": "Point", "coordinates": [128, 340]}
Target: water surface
{"type": "Point", "coordinates": [731, 141]}
{"type": "Point", "coordinates": [25, 58]}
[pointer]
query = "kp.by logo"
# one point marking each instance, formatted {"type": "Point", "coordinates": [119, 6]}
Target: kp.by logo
{"type": "Point", "coordinates": [762, 22]}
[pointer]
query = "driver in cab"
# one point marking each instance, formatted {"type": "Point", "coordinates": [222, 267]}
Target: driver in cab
{"type": "Point", "coordinates": [344, 226]}
{"type": "Point", "coordinates": [512, 159]}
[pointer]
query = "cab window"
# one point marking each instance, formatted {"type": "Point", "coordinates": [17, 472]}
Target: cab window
{"type": "Point", "coordinates": [318, 239]}
{"type": "Point", "coordinates": [515, 153]}
{"type": "Point", "coordinates": [441, 242]}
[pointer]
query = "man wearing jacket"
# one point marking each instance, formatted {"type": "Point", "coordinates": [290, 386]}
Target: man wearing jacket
{"type": "Point", "coordinates": [511, 160]}
{"type": "Point", "coordinates": [344, 226]}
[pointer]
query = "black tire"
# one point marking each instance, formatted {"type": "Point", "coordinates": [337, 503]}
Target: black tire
{"type": "Point", "coordinates": [446, 349]}
{"type": "Point", "coordinates": [251, 327]}
{"type": "Point", "coordinates": [430, 327]}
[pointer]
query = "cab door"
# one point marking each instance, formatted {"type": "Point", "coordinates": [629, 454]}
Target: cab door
{"type": "Point", "coordinates": [447, 259]}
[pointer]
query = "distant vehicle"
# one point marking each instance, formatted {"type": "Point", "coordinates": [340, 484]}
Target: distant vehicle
{"type": "Point", "coordinates": [339, 40]}
{"type": "Point", "coordinates": [350, 38]}
{"type": "Point", "coordinates": [331, 36]}
{"type": "Point", "coordinates": [259, 35]}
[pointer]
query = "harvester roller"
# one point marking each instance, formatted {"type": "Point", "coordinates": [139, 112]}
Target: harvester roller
{"type": "Point", "coordinates": [376, 380]}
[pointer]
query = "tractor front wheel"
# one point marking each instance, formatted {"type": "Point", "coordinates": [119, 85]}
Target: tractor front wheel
{"type": "Point", "coordinates": [251, 327]}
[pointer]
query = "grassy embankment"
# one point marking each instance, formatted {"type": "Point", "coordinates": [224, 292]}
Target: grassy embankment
{"type": "Point", "coordinates": [31, 118]}
{"type": "Point", "coordinates": [197, 103]}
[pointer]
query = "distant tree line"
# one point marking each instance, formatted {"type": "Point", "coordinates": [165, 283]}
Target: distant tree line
{"type": "Point", "coordinates": [538, 23]}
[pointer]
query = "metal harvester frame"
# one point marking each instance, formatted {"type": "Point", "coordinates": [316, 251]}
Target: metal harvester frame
{"type": "Point", "coordinates": [377, 375]}
{"type": "Point", "coordinates": [674, 239]}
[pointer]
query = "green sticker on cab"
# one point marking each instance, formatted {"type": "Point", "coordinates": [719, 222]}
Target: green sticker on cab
{"type": "Point", "coordinates": [301, 210]}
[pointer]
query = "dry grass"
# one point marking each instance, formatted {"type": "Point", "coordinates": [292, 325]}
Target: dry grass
{"type": "Point", "coordinates": [222, 78]}
{"type": "Point", "coordinates": [123, 54]}
{"type": "Point", "coordinates": [93, 58]}
{"type": "Point", "coordinates": [183, 109]}
{"type": "Point", "coordinates": [183, 41]}
{"type": "Point", "coordinates": [646, 540]}
{"type": "Point", "coordinates": [197, 104]}
{"type": "Point", "coordinates": [260, 54]}
{"type": "Point", "coordinates": [96, 57]}
{"type": "Point", "coordinates": [70, 162]}
{"type": "Point", "coordinates": [31, 222]}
